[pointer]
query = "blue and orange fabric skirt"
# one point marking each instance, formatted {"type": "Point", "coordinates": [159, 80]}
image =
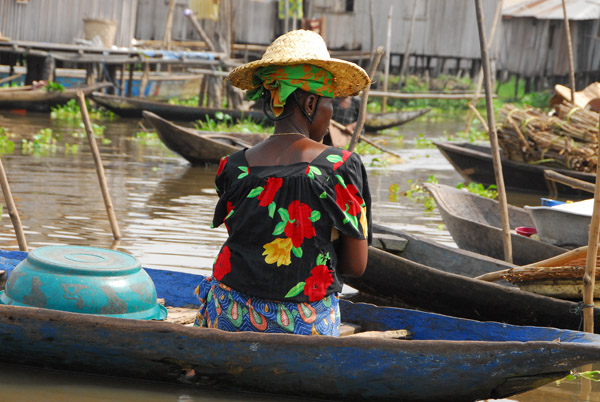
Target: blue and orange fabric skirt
{"type": "Point", "coordinates": [229, 310]}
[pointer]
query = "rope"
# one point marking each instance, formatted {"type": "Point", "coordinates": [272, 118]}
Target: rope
{"type": "Point", "coordinates": [578, 309]}
{"type": "Point", "coordinates": [576, 108]}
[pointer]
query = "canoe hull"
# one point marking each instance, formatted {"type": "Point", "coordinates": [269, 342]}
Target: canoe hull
{"type": "Point", "coordinates": [464, 359]}
{"type": "Point", "coordinates": [475, 224]}
{"type": "Point", "coordinates": [198, 147]}
{"type": "Point", "coordinates": [133, 107]}
{"type": "Point", "coordinates": [474, 163]}
{"type": "Point", "coordinates": [403, 282]}
{"type": "Point", "coordinates": [381, 121]}
{"type": "Point", "coordinates": [38, 100]}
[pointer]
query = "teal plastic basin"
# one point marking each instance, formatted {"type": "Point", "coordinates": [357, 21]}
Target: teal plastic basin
{"type": "Point", "coordinates": [85, 280]}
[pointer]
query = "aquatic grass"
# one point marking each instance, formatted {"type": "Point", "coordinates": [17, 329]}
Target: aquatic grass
{"type": "Point", "coordinates": [224, 123]}
{"type": "Point", "coordinates": [193, 101]}
{"type": "Point", "coordinates": [422, 142]}
{"type": "Point", "coordinates": [7, 146]}
{"type": "Point", "coordinates": [479, 189]}
{"type": "Point", "coordinates": [71, 112]}
{"type": "Point", "coordinates": [146, 138]}
{"type": "Point", "coordinates": [474, 134]}
{"type": "Point", "coordinates": [44, 142]}
{"type": "Point", "coordinates": [417, 193]}
{"type": "Point", "coordinates": [54, 87]}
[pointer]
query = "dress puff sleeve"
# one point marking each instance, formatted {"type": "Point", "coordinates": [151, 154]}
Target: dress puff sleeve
{"type": "Point", "coordinates": [348, 199]}
{"type": "Point", "coordinates": [221, 185]}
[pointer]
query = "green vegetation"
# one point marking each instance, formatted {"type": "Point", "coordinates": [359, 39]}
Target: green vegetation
{"type": "Point", "coordinates": [54, 87]}
{"type": "Point", "coordinates": [6, 145]}
{"type": "Point", "coordinates": [224, 123]}
{"type": "Point", "coordinates": [417, 191]}
{"type": "Point", "coordinates": [193, 101]}
{"type": "Point", "coordinates": [71, 112]}
{"type": "Point", "coordinates": [480, 189]}
{"type": "Point", "coordinates": [146, 138]}
{"type": "Point", "coordinates": [44, 142]}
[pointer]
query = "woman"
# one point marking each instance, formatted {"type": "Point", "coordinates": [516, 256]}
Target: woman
{"type": "Point", "coordinates": [297, 212]}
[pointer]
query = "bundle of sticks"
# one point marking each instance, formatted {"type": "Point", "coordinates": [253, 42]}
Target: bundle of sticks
{"type": "Point", "coordinates": [567, 139]}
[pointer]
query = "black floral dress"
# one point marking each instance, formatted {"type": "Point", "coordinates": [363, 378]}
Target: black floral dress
{"type": "Point", "coordinates": [280, 221]}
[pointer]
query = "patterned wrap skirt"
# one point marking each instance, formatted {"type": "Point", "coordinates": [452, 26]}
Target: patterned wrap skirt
{"type": "Point", "coordinates": [229, 310]}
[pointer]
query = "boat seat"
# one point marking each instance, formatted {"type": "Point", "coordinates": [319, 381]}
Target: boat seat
{"type": "Point", "coordinates": [392, 334]}
{"type": "Point", "coordinates": [389, 242]}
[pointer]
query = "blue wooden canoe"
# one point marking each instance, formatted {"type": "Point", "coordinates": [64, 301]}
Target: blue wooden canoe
{"type": "Point", "coordinates": [448, 358]}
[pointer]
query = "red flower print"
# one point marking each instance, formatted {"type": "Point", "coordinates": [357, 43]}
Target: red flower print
{"type": "Point", "coordinates": [345, 155]}
{"type": "Point", "coordinates": [229, 209]}
{"type": "Point", "coordinates": [223, 264]}
{"type": "Point", "coordinates": [316, 285]}
{"type": "Point", "coordinates": [267, 195]}
{"type": "Point", "coordinates": [222, 165]}
{"type": "Point", "coordinates": [300, 226]}
{"type": "Point", "coordinates": [348, 198]}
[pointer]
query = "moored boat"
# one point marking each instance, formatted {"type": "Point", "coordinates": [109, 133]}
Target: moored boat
{"type": "Point", "coordinates": [200, 147]}
{"type": "Point", "coordinates": [445, 357]}
{"type": "Point", "coordinates": [474, 163]}
{"type": "Point", "coordinates": [381, 121]}
{"type": "Point", "coordinates": [475, 224]}
{"type": "Point", "coordinates": [41, 100]}
{"type": "Point", "coordinates": [133, 107]}
{"type": "Point", "coordinates": [396, 281]}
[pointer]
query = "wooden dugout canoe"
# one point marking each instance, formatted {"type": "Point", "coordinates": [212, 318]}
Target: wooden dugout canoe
{"type": "Point", "coordinates": [133, 107]}
{"type": "Point", "coordinates": [40, 100]}
{"type": "Point", "coordinates": [475, 225]}
{"type": "Point", "coordinates": [381, 121]}
{"type": "Point", "coordinates": [446, 358]}
{"type": "Point", "coordinates": [200, 147]}
{"type": "Point", "coordinates": [397, 281]}
{"type": "Point", "coordinates": [474, 163]}
{"type": "Point", "coordinates": [435, 255]}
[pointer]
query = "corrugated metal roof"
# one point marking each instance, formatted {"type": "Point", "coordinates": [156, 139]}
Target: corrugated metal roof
{"type": "Point", "coordinates": [552, 9]}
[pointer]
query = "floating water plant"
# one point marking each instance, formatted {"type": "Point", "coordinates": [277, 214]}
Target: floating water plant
{"type": "Point", "coordinates": [6, 145]}
{"type": "Point", "coordinates": [44, 142]}
{"type": "Point", "coordinates": [224, 123]}
{"type": "Point", "coordinates": [146, 138]}
{"type": "Point", "coordinates": [70, 111]}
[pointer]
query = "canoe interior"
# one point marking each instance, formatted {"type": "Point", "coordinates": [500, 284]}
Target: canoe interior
{"type": "Point", "coordinates": [475, 224]}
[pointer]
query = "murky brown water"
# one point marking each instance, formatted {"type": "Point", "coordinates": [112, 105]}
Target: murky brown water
{"type": "Point", "coordinates": [164, 209]}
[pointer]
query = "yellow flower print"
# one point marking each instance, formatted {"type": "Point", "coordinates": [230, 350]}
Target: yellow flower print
{"type": "Point", "coordinates": [363, 221]}
{"type": "Point", "coordinates": [278, 251]}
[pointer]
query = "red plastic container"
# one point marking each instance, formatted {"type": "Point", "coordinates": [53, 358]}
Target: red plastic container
{"type": "Point", "coordinates": [525, 231]}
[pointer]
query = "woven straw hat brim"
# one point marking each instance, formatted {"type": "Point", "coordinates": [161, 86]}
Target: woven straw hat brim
{"type": "Point", "coordinates": [349, 78]}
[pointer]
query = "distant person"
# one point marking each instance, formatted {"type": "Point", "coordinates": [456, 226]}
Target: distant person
{"type": "Point", "coordinates": [297, 212]}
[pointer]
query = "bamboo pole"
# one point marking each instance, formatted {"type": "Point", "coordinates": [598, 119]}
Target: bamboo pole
{"type": "Point", "coordinates": [99, 168]}
{"type": "Point", "coordinates": [404, 68]}
{"type": "Point", "coordinates": [570, 181]}
{"type": "Point", "coordinates": [345, 130]}
{"type": "Point", "coordinates": [396, 95]}
{"type": "Point", "coordinates": [12, 77]}
{"type": "Point", "coordinates": [589, 278]}
{"type": "Point", "coordinates": [497, 15]}
{"type": "Point", "coordinates": [12, 209]}
{"type": "Point", "coordinates": [169, 25]}
{"type": "Point", "coordinates": [570, 51]}
{"type": "Point", "coordinates": [493, 134]}
{"type": "Point", "coordinates": [372, 28]}
{"type": "Point", "coordinates": [190, 14]}
{"type": "Point", "coordinates": [362, 113]}
{"type": "Point", "coordinates": [386, 75]}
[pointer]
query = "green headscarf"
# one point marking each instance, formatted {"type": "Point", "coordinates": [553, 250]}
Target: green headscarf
{"type": "Point", "coordinates": [282, 81]}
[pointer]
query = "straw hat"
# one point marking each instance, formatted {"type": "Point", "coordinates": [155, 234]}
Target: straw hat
{"type": "Point", "coordinates": [304, 47]}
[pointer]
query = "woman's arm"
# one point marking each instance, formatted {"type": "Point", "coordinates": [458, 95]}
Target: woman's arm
{"type": "Point", "coordinates": [352, 256]}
